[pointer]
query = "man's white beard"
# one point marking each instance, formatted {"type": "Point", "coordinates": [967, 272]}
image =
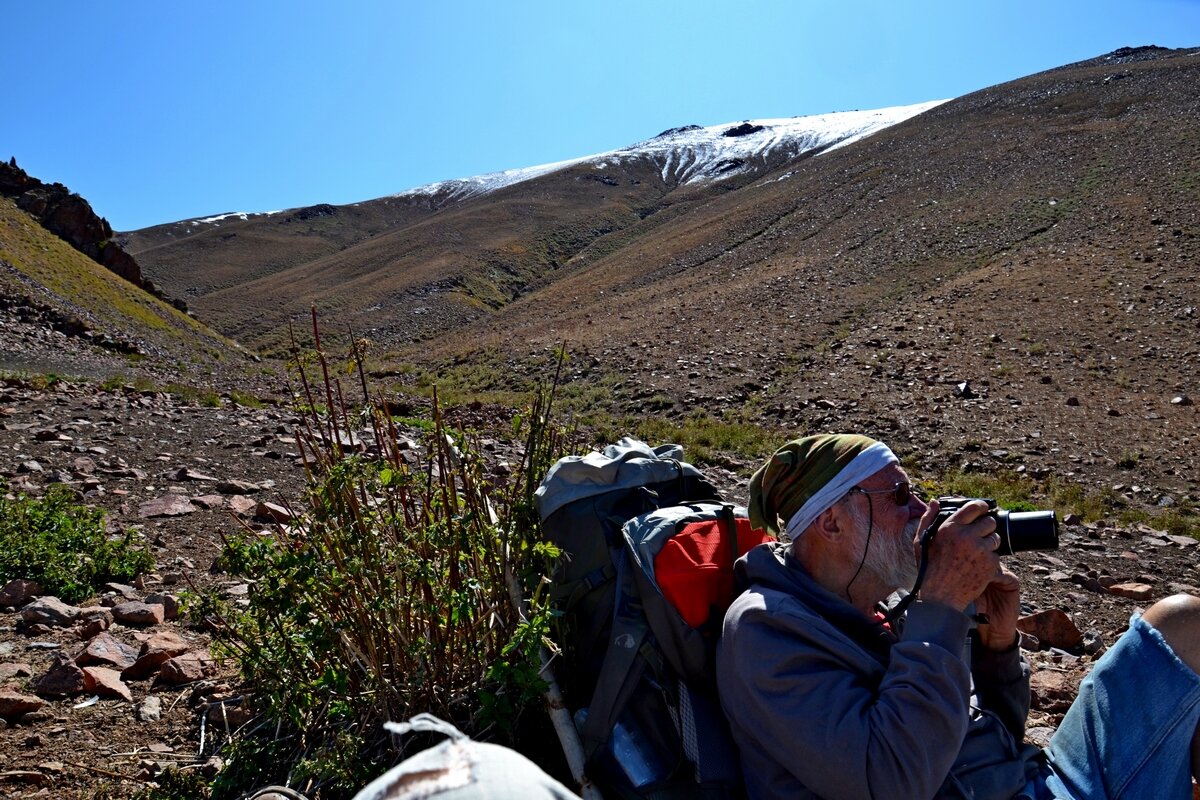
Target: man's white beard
{"type": "Point", "coordinates": [890, 558]}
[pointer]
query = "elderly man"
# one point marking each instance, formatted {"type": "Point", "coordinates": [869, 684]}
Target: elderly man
{"type": "Point", "coordinates": [828, 697]}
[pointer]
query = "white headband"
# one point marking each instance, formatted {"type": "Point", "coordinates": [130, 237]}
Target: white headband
{"type": "Point", "coordinates": [863, 466]}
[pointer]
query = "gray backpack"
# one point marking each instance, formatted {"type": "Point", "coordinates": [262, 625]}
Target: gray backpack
{"type": "Point", "coordinates": [641, 592]}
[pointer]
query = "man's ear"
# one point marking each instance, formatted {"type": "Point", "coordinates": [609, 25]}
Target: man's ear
{"type": "Point", "coordinates": [830, 523]}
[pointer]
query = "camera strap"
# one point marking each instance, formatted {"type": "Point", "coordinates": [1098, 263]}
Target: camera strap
{"type": "Point", "coordinates": [898, 610]}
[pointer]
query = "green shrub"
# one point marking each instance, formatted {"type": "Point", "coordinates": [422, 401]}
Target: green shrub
{"type": "Point", "coordinates": [62, 545]}
{"type": "Point", "coordinates": [395, 592]}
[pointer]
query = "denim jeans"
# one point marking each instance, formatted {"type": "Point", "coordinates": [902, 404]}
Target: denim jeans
{"type": "Point", "coordinates": [1129, 732]}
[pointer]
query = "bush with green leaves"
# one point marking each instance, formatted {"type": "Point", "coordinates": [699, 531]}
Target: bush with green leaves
{"type": "Point", "coordinates": [397, 590]}
{"type": "Point", "coordinates": [62, 545]}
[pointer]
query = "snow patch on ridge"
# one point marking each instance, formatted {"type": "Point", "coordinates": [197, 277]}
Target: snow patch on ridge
{"type": "Point", "coordinates": [693, 154]}
{"type": "Point", "coordinates": [684, 155]}
{"type": "Point", "coordinates": [242, 215]}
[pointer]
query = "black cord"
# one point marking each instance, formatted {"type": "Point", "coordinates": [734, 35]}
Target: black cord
{"type": "Point", "coordinates": [866, 547]}
{"type": "Point", "coordinates": [907, 600]}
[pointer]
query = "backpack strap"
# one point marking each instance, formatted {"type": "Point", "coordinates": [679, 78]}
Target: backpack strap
{"type": "Point", "coordinates": [624, 664]}
{"type": "Point", "coordinates": [731, 529]}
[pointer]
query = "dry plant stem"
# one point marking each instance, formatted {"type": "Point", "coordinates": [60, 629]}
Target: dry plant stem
{"type": "Point", "coordinates": [556, 708]}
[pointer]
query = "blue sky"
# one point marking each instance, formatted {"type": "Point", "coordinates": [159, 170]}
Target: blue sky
{"type": "Point", "coordinates": [159, 111]}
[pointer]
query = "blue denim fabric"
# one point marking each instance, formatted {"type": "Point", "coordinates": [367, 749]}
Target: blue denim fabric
{"type": "Point", "coordinates": [1129, 732]}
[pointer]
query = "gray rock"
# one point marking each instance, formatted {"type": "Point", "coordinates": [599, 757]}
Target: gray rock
{"type": "Point", "coordinates": [50, 611]}
{"type": "Point", "coordinates": [150, 710]}
{"type": "Point", "coordinates": [125, 590]}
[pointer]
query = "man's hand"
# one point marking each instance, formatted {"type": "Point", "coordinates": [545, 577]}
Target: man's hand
{"type": "Point", "coordinates": [962, 559]}
{"type": "Point", "coordinates": [1001, 602]}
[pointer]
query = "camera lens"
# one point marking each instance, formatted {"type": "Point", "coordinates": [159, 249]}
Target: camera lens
{"type": "Point", "coordinates": [1023, 531]}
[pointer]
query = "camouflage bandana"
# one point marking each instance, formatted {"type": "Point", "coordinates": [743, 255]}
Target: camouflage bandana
{"type": "Point", "coordinates": [808, 475]}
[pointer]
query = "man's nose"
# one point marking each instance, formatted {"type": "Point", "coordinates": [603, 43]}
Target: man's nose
{"type": "Point", "coordinates": [916, 506]}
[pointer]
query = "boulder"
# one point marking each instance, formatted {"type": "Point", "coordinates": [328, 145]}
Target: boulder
{"type": "Point", "coordinates": [14, 705]}
{"type": "Point", "coordinates": [106, 683]}
{"type": "Point", "coordinates": [1053, 628]}
{"type": "Point", "coordinates": [63, 678]}
{"type": "Point", "coordinates": [18, 592]}
{"type": "Point", "coordinates": [106, 649]}
{"type": "Point", "coordinates": [135, 612]}
{"type": "Point", "coordinates": [50, 611]}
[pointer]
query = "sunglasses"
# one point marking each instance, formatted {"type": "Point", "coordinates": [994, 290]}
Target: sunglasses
{"type": "Point", "coordinates": [901, 493]}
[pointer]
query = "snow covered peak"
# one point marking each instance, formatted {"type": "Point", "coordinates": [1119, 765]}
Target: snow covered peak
{"type": "Point", "coordinates": [692, 153]}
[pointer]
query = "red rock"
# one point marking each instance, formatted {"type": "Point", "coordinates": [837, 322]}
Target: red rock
{"type": "Point", "coordinates": [273, 512]}
{"type": "Point", "coordinates": [242, 506]}
{"type": "Point", "coordinates": [1053, 628]}
{"type": "Point", "coordinates": [105, 649]}
{"type": "Point", "coordinates": [136, 612]}
{"type": "Point", "coordinates": [187, 668]}
{"type": "Point", "coordinates": [237, 487]}
{"type": "Point", "coordinates": [167, 642]}
{"type": "Point", "coordinates": [169, 602]}
{"type": "Point", "coordinates": [15, 670]}
{"type": "Point", "coordinates": [1052, 690]}
{"type": "Point", "coordinates": [156, 651]}
{"type": "Point", "coordinates": [169, 505]}
{"type": "Point", "coordinates": [14, 705]}
{"type": "Point", "coordinates": [106, 683]}
{"type": "Point", "coordinates": [93, 621]}
{"type": "Point", "coordinates": [209, 501]}
{"type": "Point", "coordinates": [19, 592]}
{"type": "Point", "coordinates": [63, 678]}
{"type": "Point", "coordinates": [1134, 591]}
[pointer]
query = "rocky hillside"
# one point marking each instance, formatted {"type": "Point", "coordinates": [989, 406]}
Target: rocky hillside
{"type": "Point", "coordinates": [1006, 279]}
{"type": "Point", "coordinates": [71, 218]}
{"type": "Point", "coordinates": [62, 312]}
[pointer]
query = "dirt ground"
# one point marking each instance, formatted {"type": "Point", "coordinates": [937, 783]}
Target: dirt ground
{"type": "Point", "coordinates": [142, 443]}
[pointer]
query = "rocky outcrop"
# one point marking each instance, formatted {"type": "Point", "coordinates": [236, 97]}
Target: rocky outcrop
{"type": "Point", "coordinates": [71, 218]}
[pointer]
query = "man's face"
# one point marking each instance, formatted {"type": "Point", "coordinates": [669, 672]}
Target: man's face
{"type": "Point", "coordinates": [890, 552]}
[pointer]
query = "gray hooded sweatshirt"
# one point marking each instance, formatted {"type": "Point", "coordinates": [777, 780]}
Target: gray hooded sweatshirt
{"type": "Point", "coordinates": [823, 703]}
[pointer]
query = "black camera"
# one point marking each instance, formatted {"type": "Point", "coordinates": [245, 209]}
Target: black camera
{"type": "Point", "coordinates": [1020, 531]}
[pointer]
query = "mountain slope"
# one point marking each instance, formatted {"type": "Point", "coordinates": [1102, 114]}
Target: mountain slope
{"type": "Point", "coordinates": [1014, 270]}
{"type": "Point", "coordinates": [63, 312]}
{"type": "Point", "coordinates": [444, 254]}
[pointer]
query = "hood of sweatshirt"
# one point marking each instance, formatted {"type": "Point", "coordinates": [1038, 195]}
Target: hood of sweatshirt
{"type": "Point", "coordinates": [772, 567]}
